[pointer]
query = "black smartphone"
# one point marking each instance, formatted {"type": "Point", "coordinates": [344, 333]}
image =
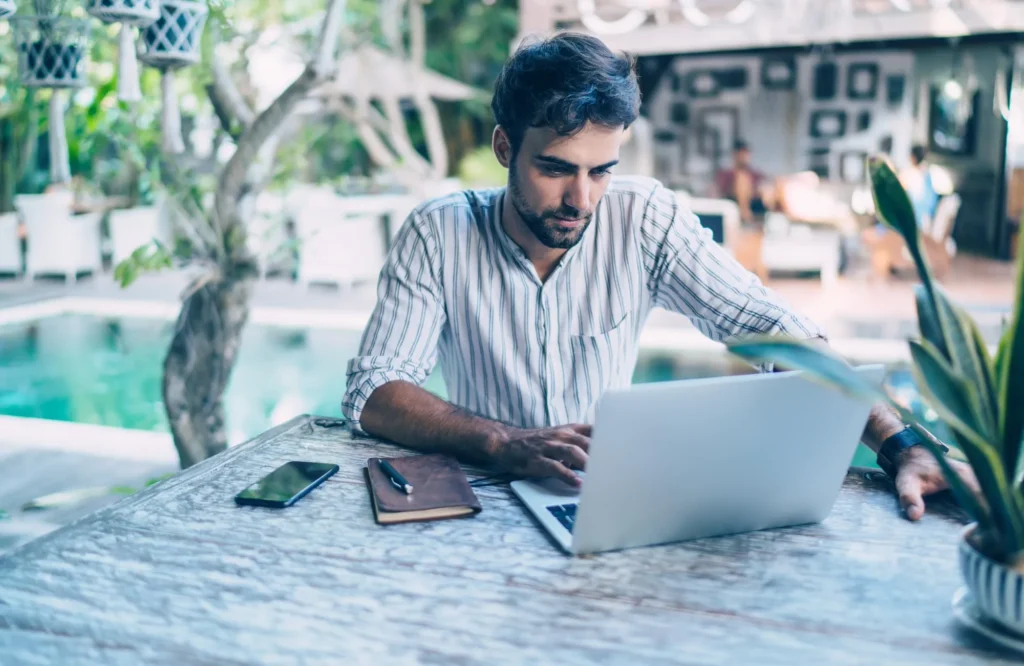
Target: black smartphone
{"type": "Point", "coordinates": [287, 484]}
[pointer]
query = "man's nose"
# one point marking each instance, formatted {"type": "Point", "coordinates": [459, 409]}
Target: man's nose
{"type": "Point", "coordinates": [578, 194]}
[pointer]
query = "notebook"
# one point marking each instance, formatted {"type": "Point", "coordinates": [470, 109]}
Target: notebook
{"type": "Point", "coordinates": [440, 490]}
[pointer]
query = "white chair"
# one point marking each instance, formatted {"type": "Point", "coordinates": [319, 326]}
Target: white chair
{"type": "Point", "coordinates": [726, 209]}
{"type": "Point", "coordinates": [266, 235]}
{"type": "Point", "coordinates": [59, 243]}
{"type": "Point", "coordinates": [10, 245]}
{"type": "Point", "coordinates": [132, 228]}
{"type": "Point", "coordinates": [802, 247]}
{"type": "Point", "coordinates": [340, 244]}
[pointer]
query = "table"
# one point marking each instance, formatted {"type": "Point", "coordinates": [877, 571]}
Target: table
{"type": "Point", "coordinates": [179, 574]}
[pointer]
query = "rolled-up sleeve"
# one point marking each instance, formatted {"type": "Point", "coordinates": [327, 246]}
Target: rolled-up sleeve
{"type": "Point", "coordinates": [400, 340]}
{"type": "Point", "coordinates": [691, 274]}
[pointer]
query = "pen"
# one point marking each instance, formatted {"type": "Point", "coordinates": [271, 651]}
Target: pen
{"type": "Point", "coordinates": [397, 480]}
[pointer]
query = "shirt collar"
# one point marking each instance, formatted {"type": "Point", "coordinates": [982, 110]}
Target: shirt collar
{"type": "Point", "coordinates": [517, 252]}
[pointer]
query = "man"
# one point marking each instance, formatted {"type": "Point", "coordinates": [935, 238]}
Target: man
{"type": "Point", "coordinates": [743, 184]}
{"type": "Point", "coordinates": [533, 295]}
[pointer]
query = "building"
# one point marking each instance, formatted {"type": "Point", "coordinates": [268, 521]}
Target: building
{"type": "Point", "coordinates": [819, 84]}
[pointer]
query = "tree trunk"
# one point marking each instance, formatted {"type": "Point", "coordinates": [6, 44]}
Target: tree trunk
{"type": "Point", "coordinates": [198, 365]}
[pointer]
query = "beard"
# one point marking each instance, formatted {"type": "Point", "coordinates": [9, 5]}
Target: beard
{"type": "Point", "coordinates": [546, 225]}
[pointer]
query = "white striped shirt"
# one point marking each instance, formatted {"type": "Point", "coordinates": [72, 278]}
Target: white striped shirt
{"type": "Point", "coordinates": [456, 288]}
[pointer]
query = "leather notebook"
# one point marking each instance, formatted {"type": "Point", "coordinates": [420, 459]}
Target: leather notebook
{"type": "Point", "coordinates": [440, 490]}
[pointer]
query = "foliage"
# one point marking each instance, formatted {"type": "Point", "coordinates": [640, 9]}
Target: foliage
{"type": "Point", "coordinates": [480, 168]}
{"type": "Point", "coordinates": [980, 398]}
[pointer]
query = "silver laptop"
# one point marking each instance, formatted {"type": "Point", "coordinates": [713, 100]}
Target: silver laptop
{"type": "Point", "coordinates": [697, 458]}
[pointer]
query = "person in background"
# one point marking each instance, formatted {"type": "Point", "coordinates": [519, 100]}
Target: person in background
{"type": "Point", "coordinates": [743, 184]}
{"type": "Point", "coordinates": [917, 180]}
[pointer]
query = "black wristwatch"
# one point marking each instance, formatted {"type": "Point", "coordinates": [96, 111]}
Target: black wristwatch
{"type": "Point", "coordinates": [892, 447]}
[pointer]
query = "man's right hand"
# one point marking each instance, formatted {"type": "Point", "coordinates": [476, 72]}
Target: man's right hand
{"type": "Point", "coordinates": [546, 452]}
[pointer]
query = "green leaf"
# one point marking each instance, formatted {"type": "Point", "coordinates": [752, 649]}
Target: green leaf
{"type": "Point", "coordinates": [961, 335]}
{"type": "Point", "coordinates": [123, 490]}
{"type": "Point", "coordinates": [1010, 373]}
{"type": "Point", "coordinates": [1005, 505]}
{"type": "Point", "coordinates": [929, 321]}
{"type": "Point", "coordinates": [895, 210]}
{"type": "Point", "coordinates": [819, 361]}
{"type": "Point", "coordinates": [944, 390]}
{"type": "Point", "coordinates": [159, 479]}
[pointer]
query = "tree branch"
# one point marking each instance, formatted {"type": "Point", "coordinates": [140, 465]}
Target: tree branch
{"type": "Point", "coordinates": [233, 177]}
{"type": "Point", "coordinates": [227, 100]}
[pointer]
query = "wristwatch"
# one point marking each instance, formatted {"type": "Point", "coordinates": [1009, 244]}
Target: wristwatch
{"type": "Point", "coordinates": [892, 447]}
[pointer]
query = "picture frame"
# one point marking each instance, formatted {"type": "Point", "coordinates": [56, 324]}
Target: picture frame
{"type": "Point", "coordinates": [948, 134]}
{"type": "Point", "coordinates": [852, 167]}
{"type": "Point", "coordinates": [827, 124]}
{"type": "Point", "coordinates": [721, 122]}
{"type": "Point", "coordinates": [702, 84]}
{"type": "Point", "coordinates": [732, 78]}
{"type": "Point", "coordinates": [825, 83]}
{"type": "Point", "coordinates": [680, 114]}
{"type": "Point", "coordinates": [817, 161]}
{"type": "Point", "coordinates": [863, 120]}
{"type": "Point", "coordinates": [778, 73]}
{"type": "Point", "coordinates": [895, 89]}
{"type": "Point", "coordinates": [862, 81]}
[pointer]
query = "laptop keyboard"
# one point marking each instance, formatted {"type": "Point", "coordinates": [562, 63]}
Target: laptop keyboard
{"type": "Point", "coordinates": [565, 513]}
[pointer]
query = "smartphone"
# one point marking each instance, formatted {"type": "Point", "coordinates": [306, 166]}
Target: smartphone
{"type": "Point", "coordinates": [287, 484]}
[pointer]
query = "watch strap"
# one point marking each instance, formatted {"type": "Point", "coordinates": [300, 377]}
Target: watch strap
{"type": "Point", "coordinates": [892, 447]}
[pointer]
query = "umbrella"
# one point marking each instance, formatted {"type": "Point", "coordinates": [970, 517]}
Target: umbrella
{"type": "Point", "coordinates": [371, 72]}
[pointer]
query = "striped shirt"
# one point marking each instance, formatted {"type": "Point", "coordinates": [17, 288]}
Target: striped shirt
{"type": "Point", "coordinates": [455, 288]}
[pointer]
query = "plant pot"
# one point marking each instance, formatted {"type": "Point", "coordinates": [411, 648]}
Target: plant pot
{"type": "Point", "coordinates": [173, 40]}
{"type": "Point", "coordinates": [51, 51]}
{"type": "Point", "coordinates": [996, 589]}
{"type": "Point", "coordinates": [7, 8]}
{"type": "Point", "coordinates": [47, 61]}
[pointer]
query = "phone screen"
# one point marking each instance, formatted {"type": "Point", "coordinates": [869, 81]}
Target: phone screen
{"type": "Point", "coordinates": [286, 484]}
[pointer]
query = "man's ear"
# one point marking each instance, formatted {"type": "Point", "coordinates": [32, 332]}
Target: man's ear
{"type": "Point", "coordinates": [501, 146]}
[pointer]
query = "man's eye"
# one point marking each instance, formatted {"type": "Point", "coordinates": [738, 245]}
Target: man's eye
{"type": "Point", "coordinates": [601, 172]}
{"type": "Point", "coordinates": [555, 171]}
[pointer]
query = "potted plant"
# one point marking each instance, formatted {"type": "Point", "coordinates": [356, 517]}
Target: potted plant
{"type": "Point", "coordinates": [169, 43]}
{"type": "Point", "coordinates": [980, 397]}
{"type": "Point", "coordinates": [52, 47]}
{"type": "Point", "coordinates": [7, 7]}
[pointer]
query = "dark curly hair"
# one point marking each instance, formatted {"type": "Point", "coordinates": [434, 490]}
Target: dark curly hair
{"type": "Point", "coordinates": [564, 82]}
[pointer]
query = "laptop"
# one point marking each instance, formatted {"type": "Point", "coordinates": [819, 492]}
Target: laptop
{"type": "Point", "coordinates": [689, 459]}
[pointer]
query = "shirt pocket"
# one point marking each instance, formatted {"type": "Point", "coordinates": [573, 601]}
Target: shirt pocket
{"type": "Point", "coordinates": [600, 361]}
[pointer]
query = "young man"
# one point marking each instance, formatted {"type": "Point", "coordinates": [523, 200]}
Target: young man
{"type": "Point", "coordinates": [533, 295]}
{"type": "Point", "coordinates": [742, 183]}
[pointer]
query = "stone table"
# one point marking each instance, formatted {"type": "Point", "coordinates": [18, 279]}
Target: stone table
{"type": "Point", "coordinates": [178, 574]}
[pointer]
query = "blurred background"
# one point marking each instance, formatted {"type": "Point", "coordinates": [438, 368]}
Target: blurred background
{"type": "Point", "coordinates": [759, 113]}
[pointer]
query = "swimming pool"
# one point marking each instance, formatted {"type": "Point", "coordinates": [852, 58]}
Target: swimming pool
{"type": "Point", "coordinates": [107, 371]}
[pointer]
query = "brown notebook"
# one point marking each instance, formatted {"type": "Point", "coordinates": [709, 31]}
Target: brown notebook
{"type": "Point", "coordinates": [440, 490]}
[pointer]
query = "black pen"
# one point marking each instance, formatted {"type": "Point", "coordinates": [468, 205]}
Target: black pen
{"type": "Point", "coordinates": [397, 480]}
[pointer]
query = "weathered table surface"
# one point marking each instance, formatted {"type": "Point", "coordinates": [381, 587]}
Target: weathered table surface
{"type": "Point", "coordinates": [179, 574]}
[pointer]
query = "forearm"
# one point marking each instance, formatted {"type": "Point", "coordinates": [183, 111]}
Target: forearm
{"type": "Point", "coordinates": [409, 415]}
{"type": "Point", "coordinates": [882, 424]}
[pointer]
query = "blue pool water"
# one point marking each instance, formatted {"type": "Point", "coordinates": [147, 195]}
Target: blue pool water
{"type": "Point", "coordinates": [107, 371]}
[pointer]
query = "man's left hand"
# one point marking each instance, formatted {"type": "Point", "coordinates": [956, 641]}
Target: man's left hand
{"type": "Point", "coordinates": [919, 475]}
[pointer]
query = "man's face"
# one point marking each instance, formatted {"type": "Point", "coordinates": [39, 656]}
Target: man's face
{"type": "Point", "coordinates": [742, 157]}
{"type": "Point", "coordinates": [555, 182]}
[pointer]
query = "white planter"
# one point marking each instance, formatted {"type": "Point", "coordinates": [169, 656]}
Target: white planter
{"type": "Point", "coordinates": [997, 590]}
